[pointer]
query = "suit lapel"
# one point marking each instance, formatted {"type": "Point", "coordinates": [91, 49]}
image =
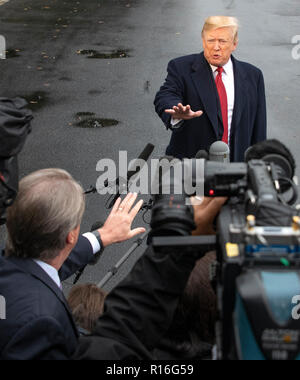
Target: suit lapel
{"type": "Point", "coordinates": [204, 82]}
{"type": "Point", "coordinates": [240, 84]}
{"type": "Point", "coordinates": [36, 271]}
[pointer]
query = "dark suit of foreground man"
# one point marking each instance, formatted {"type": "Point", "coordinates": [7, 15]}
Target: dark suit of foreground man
{"type": "Point", "coordinates": [43, 249]}
{"type": "Point", "coordinates": [39, 324]}
{"type": "Point", "coordinates": [212, 96]}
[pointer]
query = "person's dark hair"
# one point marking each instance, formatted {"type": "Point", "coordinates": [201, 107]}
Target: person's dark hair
{"type": "Point", "coordinates": [87, 303]}
{"type": "Point", "coordinates": [49, 205]}
{"type": "Point", "coordinates": [194, 321]}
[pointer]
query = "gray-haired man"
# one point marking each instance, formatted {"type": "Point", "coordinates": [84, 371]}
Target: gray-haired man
{"type": "Point", "coordinates": [44, 247]}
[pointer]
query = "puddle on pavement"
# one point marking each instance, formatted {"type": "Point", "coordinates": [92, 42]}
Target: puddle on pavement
{"type": "Point", "coordinates": [65, 79]}
{"type": "Point", "coordinates": [93, 123]}
{"type": "Point", "coordinates": [36, 100]}
{"type": "Point", "coordinates": [95, 92]}
{"type": "Point", "coordinates": [102, 55]}
{"type": "Point", "coordinates": [88, 120]}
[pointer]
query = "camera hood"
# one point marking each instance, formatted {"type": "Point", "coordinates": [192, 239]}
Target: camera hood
{"type": "Point", "coordinates": [273, 151]}
{"type": "Point", "coordinates": [14, 126]}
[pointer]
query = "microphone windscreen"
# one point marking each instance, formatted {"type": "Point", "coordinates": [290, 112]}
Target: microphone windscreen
{"type": "Point", "coordinates": [146, 153]}
{"type": "Point", "coordinates": [202, 154]}
{"type": "Point", "coordinates": [219, 151]}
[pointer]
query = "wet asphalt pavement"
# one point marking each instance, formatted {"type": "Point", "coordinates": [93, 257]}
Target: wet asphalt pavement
{"type": "Point", "coordinates": [105, 59]}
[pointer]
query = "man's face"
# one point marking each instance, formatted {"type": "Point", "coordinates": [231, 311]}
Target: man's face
{"type": "Point", "coordinates": [218, 46]}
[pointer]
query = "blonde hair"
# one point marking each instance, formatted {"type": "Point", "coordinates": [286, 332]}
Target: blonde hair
{"type": "Point", "coordinates": [216, 22]}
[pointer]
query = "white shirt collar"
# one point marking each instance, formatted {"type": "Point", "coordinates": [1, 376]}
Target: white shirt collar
{"type": "Point", "coordinates": [51, 271]}
{"type": "Point", "coordinates": [227, 68]}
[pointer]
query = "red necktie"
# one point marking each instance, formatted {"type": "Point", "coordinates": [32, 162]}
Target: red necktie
{"type": "Point", "coordinates": [224, 103]}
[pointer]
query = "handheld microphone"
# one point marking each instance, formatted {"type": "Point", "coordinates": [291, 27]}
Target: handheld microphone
{"type": "Point", "coordinates": [145, 155]}
{"type": "Point", "coordinates": [219, 152]}
{"type": "Point", "coordinates": [135, 168]}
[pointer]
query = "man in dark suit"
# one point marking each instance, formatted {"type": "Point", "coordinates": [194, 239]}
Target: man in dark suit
{"type": "Point", "coordinates": [43, 249]}
{"type": "Point", "coordinates": [38, 324]}
{"type": "Point", "coordinates": [212, 96]}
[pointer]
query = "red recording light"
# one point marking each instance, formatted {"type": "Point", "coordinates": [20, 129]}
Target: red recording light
{"type": "Point", "coordinates": [211, 193]}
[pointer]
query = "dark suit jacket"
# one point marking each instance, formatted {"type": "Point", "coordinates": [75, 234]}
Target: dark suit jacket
{"type": "Point", "coordinates": [190, 81]}
{"type": "Point", "coordinates": [39, 324]}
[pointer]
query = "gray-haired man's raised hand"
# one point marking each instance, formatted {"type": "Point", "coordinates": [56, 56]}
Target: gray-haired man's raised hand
{"type": "Point", "coordinates": [118, 226]}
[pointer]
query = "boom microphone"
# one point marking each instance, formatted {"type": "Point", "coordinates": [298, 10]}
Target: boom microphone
{"type": "Point", "coordinates": [133, 170]}
{"type": "Point", "coordinates": [145, 155]}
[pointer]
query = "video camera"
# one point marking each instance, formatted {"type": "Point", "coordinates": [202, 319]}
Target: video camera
{"type": "Point", "coordinates": [257, 274]}
{"type": "Point", "coordinates": [14, 128]}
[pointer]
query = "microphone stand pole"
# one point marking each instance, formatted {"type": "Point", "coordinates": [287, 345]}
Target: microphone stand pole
{"type": "Point", "coordinates": [113, 271]}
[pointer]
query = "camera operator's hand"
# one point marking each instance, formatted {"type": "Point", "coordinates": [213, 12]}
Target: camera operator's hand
{"type": "Point", "coordinates": [117, 227]}
{"type": "Point", "coordinates": [205, 214]}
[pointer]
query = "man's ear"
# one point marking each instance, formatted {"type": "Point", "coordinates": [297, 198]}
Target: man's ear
{"type": "Point", "coordinates": [72, 236]}
{"type": "Point", "coordinates": [236, 44]}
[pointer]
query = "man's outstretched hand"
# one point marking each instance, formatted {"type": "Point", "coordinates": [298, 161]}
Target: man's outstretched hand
{"type": "Point", "coordinates": [117, 227]}
{"type": "Point", "coordinates": [181, 112]}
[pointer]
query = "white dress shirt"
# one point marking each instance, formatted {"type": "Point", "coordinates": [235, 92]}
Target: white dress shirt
{"type": "Point", "coordinates": [53, 273]}
{"type": "Point", "coordinates": [228, 80]}
{"type": "Point", "coordinates": [94, 242]}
